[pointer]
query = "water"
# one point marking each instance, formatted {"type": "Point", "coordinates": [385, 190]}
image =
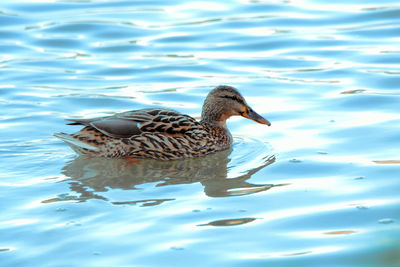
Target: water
{"type": "Point", "coordinates": [318, 187]}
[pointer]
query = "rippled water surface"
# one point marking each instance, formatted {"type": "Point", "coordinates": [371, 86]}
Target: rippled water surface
{"type": "Point", "coordinates": [319, 187]}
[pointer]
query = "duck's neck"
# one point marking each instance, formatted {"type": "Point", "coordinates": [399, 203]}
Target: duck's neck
{"type": "Point", "coordinates": [213, 119]}
{"type": "Point", "coordinates": [214, 114]}
{"type": "Point", "coordinates": [213, 123]}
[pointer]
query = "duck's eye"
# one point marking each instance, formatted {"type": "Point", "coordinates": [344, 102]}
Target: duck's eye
{"type": "Point", "coordinates": [235, 98]}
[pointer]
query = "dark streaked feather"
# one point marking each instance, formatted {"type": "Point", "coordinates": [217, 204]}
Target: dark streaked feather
{"type": "Point", "coordinates": [130, 123]}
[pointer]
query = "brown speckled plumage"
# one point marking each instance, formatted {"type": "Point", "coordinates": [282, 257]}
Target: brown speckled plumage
{"type": "Point", "coordinates": [162, 133]}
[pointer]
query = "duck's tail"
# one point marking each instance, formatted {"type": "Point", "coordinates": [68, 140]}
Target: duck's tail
{"type": "Point", "coordinates": [77, 145]}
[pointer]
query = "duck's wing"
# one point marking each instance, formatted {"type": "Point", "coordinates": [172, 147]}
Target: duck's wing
{"type": "Point", "coordinates": [136, 122]}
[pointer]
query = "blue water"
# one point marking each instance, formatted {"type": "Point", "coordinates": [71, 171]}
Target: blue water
{"type": "Point", "coordinates": [319, 187]}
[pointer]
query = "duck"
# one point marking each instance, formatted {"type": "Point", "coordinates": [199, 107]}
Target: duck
{"type": "Point", "coordinates": [160, 133]}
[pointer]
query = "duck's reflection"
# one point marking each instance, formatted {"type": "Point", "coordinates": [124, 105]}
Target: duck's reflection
{"type": "Point", "coordinates": [90, 177]}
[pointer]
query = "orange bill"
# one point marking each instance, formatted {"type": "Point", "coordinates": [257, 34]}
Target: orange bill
{"type": "Point", "coordinates": [252, 115]}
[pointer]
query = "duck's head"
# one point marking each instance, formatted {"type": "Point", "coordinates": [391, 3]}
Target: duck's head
{"type": "Point", "coordinates": [225, 101]}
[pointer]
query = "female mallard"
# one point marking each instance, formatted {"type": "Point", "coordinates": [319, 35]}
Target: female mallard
{"type": "Point", "coordinates": [162, 133]}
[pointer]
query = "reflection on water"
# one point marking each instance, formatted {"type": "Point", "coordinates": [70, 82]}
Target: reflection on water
{"type": "Point", "coordinates": [229, 222]}
{"type": "Point", "coordinates": [90, 176]}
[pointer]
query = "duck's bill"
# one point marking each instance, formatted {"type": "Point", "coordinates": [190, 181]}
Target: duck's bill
{"type": "Point", "coordinates": [252, 115]}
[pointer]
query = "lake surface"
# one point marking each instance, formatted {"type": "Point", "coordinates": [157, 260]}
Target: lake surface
{"type": "Point", "coordinates": [320, 187]}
